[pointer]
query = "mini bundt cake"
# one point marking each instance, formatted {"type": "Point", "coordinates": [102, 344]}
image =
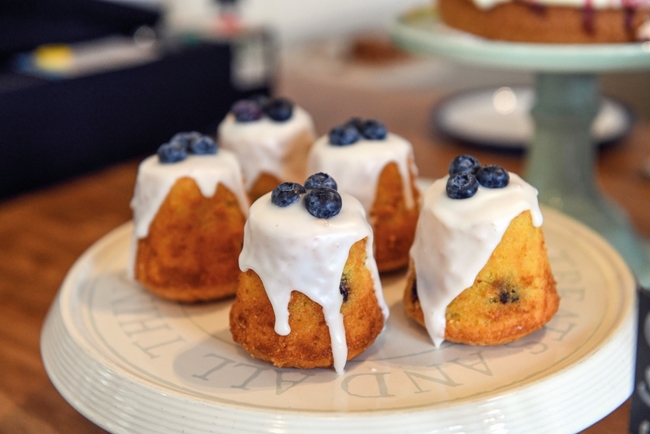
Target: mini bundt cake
{"type": "Point", "coordinates": [189, 209]}
{"type": "Point", "coordinates": [271, 138]}
{"type": "Point", "coordinates": [376, 167]}
{"type": "Point", "coordinates": [479, 270]}
{"type": "Point", "coordinates": [309, 294]}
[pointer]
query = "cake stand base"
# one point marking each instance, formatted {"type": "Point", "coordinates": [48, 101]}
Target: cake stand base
{"type": "Point", "coordinates": [561, 162]}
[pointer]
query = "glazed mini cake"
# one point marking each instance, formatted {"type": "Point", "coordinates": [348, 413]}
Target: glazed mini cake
{"type": "Point", "coordinates": [189, 209]}
{"type": "Point", "coordinates": [309, 294]}
{"type": "Point", "coordinates": [480, 273]}
{"type": "Point", "coordinates": [271, 138]}
{"type": "Point", "coordinates": [377, 168]}
{"type": "Point", "coordinates": [550, 21]}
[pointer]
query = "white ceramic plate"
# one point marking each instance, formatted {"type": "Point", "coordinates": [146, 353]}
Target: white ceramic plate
{"type": "Point", "coordinates": [500, 118]}
{"type": "Point", "coordinates": [131, 362]}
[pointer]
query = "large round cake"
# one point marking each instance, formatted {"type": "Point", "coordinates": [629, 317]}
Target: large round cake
{"type": "Point", "coordinates": [309, 294]}
{"type": "Point", "coordinates": [189, 209]}
{"type": "Point", "coordinates": [480, 273]}
{"type": "Point", "coordinates": [550, 21]}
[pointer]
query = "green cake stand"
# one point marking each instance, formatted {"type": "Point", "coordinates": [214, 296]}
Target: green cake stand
{"type": "Point", "coordinates": [560, 161]}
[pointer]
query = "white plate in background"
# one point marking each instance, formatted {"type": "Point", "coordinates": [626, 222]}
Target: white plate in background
{"type": "Point", "coordinates": [500, 117]}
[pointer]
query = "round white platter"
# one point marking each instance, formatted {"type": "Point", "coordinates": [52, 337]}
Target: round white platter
{"type": "Point", "coordinates": [131, 362]}
{"type": "Point", "coordinates": [499, 117]}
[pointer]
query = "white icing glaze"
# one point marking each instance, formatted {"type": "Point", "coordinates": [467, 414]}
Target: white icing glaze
{"type": "Point", "coordinates": [594, 4]}
{"type": "Point", "coordinates": [356, 167]}
{"type": "Point", "coordinates": [643, 32]}
{"type": "Point", "coordinates": [276, 148]}
{"type": "Point", "coordinates": [455, 238]}
{"type": "Point", "coordinates": [289, 249]}
{"type": "Point", "coordinates": [155, 179]}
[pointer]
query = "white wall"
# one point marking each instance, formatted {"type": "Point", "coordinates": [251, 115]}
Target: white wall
{"type": "Point", "coordinates": [298, 21]}
{"type": "Point", "coordinates": [303, 20]}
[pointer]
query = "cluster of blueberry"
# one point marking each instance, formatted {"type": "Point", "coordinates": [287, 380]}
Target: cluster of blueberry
{"type": "Point", "coordinates": [321, 198]}
{"type": "Point", "coordinates": [252, 109]}
{"type": "Point", "coordinates": [356, 129]}
{"type": "Point", "coordinates": [183, 143]}
{"type": "Point", "coordinates": [466, 174]}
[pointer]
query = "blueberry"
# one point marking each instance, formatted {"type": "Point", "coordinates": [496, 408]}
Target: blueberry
{"type": "Point", "coordinates": [461, 185]}
{"type": "Point", "coordinates": [171, 152]}
{"type": "Point", "coordinates": [323, 203]}
{"type": "Point", "coordinates": [279, 109]}
{"type": "Point", "coordinates": [356, 122]}
{"type": "Point", "coordinates": [414, 292]}
{"type": "Point", "coordinates": [259, 98]}
{"type": "Point", "coordinates": [493, 176]}
{"type": "Point", "coordinates": [319, 180]}
{"type": "Point", "coordinates": [203, 145]}
{"type": "Point", "coordinates": [286, 193]}
{"type": "Point", "coordinates": [464, 163]}
{"type": "Point", "coordinates": [344, 288]}
{"type": "Point", "coordinates": [343, 135]}
{"type": "Point", "coordinates": [185, 139]}
{"type": "Point", "coordinates": [246, 110]}
{"type": "Point", "coordinates": [372, 129]}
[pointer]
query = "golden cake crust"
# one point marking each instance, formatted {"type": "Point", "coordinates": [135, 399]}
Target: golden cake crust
{"type": "Point", "coordinates": [192, 249]}
{"type": "Point", "coordinates": [392, 221]}
{"type": "Point", "coordinates": [264, 183]}
{"type": "Point", "coordinates": [512, 296]}
{"type": "Point", "coordinates": [523, 22]}
{"type": "Point", "coordinates": [308, 345]}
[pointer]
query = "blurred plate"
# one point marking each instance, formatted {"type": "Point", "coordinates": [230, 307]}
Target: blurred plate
{"type": "Point", "coordinates": [500, 118]}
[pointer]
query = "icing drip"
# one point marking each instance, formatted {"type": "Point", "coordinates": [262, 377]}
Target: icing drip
{"type": "Point", "coordinates": [456, 237]}
{"type": "Point", "coordinates": [291, 250]}
{"type": "Point", "coordinates": [357, 167]}
{"type": "Point", "coordinates": [588, 17]}
{"type": "Point", "coordinates": [155, 179]}
{"type": "Point", "coordinates": [266, 146]}
{"type": "Point", "coordinates": [643, 32]}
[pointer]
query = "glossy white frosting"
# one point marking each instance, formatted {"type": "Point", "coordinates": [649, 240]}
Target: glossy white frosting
{"type": "Point", "coordinates": [289, 249]}
{"type": "Point", "coordinates": [155, 179]}
{"type": "Point", "coordinates": [595, 4]}
{"type": "Point", "coordinates": [357, 167]}
{"type": "Point", "coordinates": [455, 238]}
{"type": "Point", "coordinates": [267, 146]}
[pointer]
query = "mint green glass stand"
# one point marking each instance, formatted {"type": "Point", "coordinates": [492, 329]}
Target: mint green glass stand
{"type": "Point", "coordinates": [560, 162]}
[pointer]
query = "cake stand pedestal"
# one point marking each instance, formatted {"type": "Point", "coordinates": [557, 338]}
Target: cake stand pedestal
{"type": "Point", "coordinates": [560, 161]}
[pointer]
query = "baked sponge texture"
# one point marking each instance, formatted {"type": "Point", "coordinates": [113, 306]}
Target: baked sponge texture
{"type": "Point", "coordinates": [512, 296]}
{"type": "Point", "coordinates": [308, 345]}
{"type": "Point", "coordinates": [191, 251]}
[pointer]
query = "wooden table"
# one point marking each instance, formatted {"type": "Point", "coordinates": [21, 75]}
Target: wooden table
{"type": "Point", "coordinates": [42, 234]}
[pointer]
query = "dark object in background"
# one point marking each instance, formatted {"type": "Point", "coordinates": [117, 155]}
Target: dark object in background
{"type": "Point", "coordinates": [640, 409]}
{"type": "Point", "coordinates": [53, 129]}
{"type": "Point", "coordinates": [26, 24]}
